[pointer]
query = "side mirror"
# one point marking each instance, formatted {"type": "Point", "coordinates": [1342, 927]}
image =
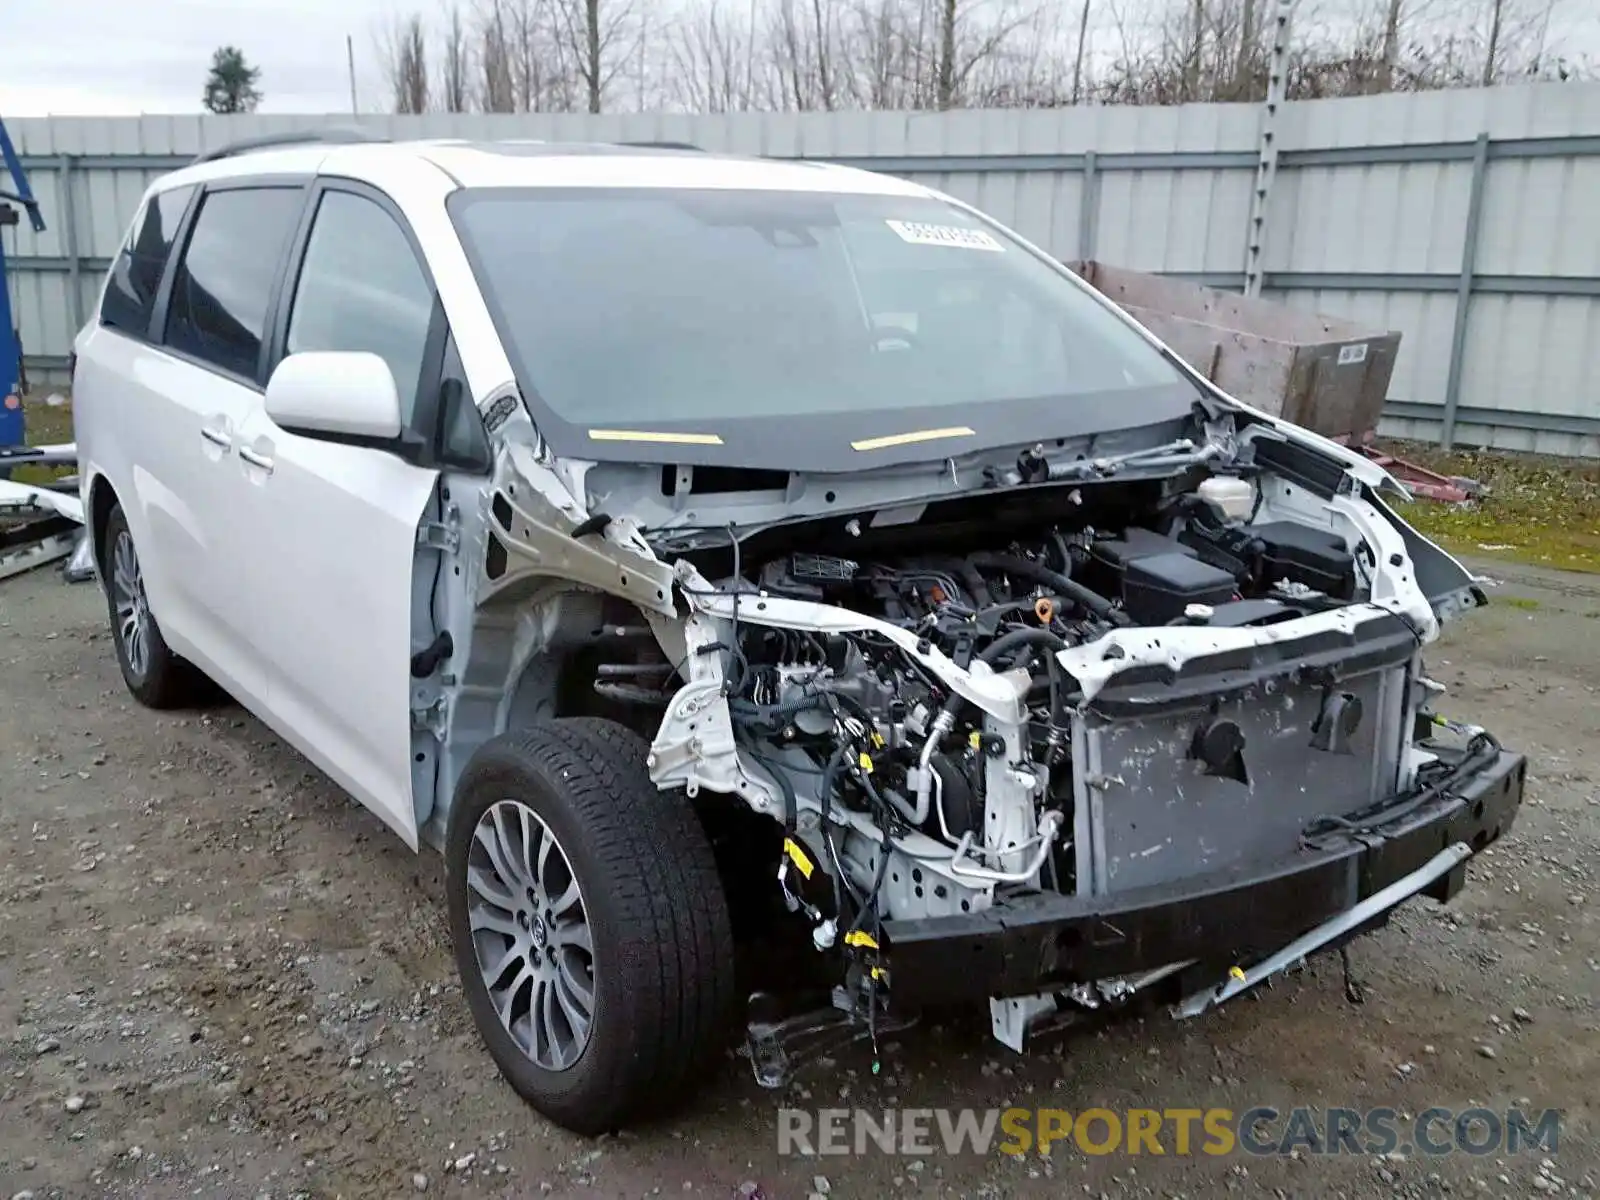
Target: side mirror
{"type": "Point", "coordinates": [342, 393]}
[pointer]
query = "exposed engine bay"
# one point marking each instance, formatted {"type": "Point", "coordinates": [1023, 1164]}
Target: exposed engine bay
{"type": "Point", "coordinates": [1147, 673]}
{"type": "Point", "coordinates": [1043, 727]}
{"type": "Point", "coordinates": [884, 741]}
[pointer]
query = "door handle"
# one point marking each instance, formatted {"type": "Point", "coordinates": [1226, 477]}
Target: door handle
{"type": "Point", "coordinates": [255, 459]}
{"type": "Point", "coordinates": [216, 437]}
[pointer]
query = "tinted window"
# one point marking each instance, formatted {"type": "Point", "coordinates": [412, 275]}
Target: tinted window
{"type": "Point", "coordinates": [627, 307]}
{"type": "Point", "coordinates": [224, 282]}
{"type": "Point", "coordinates": [361, 288]}
{"type": "Point", "coordinates": [135, 276]}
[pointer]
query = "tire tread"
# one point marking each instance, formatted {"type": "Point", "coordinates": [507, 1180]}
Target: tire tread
{"type": "Point", "coordinates": [677, 951]}
{"type": "Point", "coordinates": [170, 682]}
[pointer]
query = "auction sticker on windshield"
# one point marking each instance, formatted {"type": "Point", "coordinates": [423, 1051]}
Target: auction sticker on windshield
{"type": "Point", "coordinates": [920, 234]}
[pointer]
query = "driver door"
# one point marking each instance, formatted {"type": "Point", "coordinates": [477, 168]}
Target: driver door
{"type": "Point", "coordinates": [334, 578]}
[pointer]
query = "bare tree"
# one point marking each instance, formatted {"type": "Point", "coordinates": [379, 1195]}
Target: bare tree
{"type": "Point", "coordinates": [1246, 43]}
{"type": "Point", "coordinates": [805, 48]}
{"type": "Point", "coordinates": [601, 37]}
{"type": "Point", "coordinates": [453, 59]}
{"type": "Point", "coordinates": [1077, 60]}
{"type": "Point", "coordinates": [1497, 10]}
{"type": "Point", "coordinates": [732, 55]}
{"type": "Point", "coordinates": [496, 92]}
{"type": "Point", "coordinates": [977, 58]}
{"type": "Point", "coordinates": [1391, 47]}
{"type": "Point", "coordinates": [822, 37]}
{"type": "Point", "coordinates": [403, 55]}
{"type": "Point", "coordinates": [882, 49]}
{"type": "Point", "coordinates": [711, 61]}
{"type": "Point", "coordinates": [947, 53]}
{"type": "Point", "coordinates": [541, 73]}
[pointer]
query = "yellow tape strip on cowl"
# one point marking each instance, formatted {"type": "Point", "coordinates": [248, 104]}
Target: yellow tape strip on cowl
{"type": "Point", "coordinates": [908, 439]}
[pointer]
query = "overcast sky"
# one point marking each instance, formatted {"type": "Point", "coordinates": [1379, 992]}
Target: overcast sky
{"type": "Point", "coordinates": [103, 57]}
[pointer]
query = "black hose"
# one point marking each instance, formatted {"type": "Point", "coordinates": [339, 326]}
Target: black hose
{"type": "Point", "coordinates": [1058, 694]}
{"type": "Point", "coordinates": [995, 649]}
{"type": "Point", "coordinates": [1024, 604]}
{"type": "Point", "coordinates": [1060, 543]}
{"type": "Point", "coordinates": [979, 590]}
{"type": "Point", "coordinates": [1482, 750]}
{"type": "Point", "coordinates": [729, 688]}
{"type": "Point", "coordinates": [772, 716]}
{"type": "Point", "coordinates": [791, 802]}
{"type": "Point", "coordinates": [631, 693]}
{"type": "Point", "coordinates": [830, 777]}
{"type": "Point", "coordinates": [1066, 586]}
{"type": "Point", "coordinates": [1001, 646]}
{"type": "Point", "coordinates": [886, 813]}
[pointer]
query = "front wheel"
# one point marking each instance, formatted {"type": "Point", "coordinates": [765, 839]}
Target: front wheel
{"type": "Point", "coordinates": [588, 922]}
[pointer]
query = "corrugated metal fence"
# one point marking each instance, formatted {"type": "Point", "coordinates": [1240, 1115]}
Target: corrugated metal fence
{"type": "Point", "coordinates": [1469, 221]}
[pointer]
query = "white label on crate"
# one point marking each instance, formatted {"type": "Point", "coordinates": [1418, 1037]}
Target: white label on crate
{"type": "Point", "coordinates": [1352, 354]}
{"type": "Point", "coordinates": [920, 234]}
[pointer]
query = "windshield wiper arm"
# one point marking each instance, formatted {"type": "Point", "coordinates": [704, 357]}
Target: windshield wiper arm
{"type": "Point", "coordinates": [1034, 466]}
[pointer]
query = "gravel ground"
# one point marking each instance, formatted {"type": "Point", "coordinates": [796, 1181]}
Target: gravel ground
{"type": "Point", "coordinates": [218, 976]}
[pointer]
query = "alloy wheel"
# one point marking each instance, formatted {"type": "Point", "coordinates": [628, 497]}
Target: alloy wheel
{"type": "Point", "coordinates": [530, 930]}
{"type": "Point", "coordinates": [132, 607]}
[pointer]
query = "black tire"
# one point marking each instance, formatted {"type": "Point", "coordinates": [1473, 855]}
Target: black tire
{"type": "Point", "coordinates": [663, 960]}
{"type": "Point", "coordinates": [166, 680]}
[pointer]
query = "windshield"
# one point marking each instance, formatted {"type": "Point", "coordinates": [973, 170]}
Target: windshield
{"type": "Point", "coordinates": [639, 307]}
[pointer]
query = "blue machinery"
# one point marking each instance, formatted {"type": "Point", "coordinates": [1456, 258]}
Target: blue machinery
{"type": "Point", "coordinates": [43, 522]}
{"type": "Point", "coordinates": [11, 426]}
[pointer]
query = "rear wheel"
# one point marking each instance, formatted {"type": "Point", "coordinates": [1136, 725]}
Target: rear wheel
{"type": "Point", "coordinates": [156, 676]}
{"type": "Point", "coordinates": [588, 922]}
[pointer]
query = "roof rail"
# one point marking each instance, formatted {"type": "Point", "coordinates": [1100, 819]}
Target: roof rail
{"type": "Point", "coordinates": [664, 146]}
{"type": "Point", "coordinates": [299, 137]}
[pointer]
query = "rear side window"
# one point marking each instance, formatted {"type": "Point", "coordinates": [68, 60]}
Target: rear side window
{"type": "Point", "coordinates": [361, 288]}
{"type": "Point", "coordinates": [131, 290]}
{"type": "Point", "coordinates": [223, 288]}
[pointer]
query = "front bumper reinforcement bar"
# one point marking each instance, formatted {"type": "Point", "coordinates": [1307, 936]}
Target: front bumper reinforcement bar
{"type": "Point", "coordinates": [1264, 913]}
{"type": "Point", "coordinates": [1441, 863]}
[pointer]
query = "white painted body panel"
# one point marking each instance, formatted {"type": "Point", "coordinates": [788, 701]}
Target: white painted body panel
{"type": "Point", "coordinates": [330, 581]}
{"type": "Point", "coordinates": [140, 413]}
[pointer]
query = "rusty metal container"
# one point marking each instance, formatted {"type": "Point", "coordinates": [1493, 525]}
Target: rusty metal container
{"type": "Point", "coordinates": [1327, 374]}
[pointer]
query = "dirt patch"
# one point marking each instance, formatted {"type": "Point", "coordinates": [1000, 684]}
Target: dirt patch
{"type": "Point", "coordinates": [219, 976]}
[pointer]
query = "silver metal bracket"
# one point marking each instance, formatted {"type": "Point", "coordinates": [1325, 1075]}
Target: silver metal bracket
{"type": "Point", "coordinates": [430, 716]}
{"type": "Point", "coordinates": [36, 554]}
{"type": "Point", "coordinates": [1011, 1019]}
{"type": "Point", "coordinates": [443, 535]}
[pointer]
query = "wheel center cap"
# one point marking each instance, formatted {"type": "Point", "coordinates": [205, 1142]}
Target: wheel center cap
{"type": "Point", "coordinates": [539, 933]}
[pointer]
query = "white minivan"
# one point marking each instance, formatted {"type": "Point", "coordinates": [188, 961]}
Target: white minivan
{"type": "Point", "coordinates": [706, 551]}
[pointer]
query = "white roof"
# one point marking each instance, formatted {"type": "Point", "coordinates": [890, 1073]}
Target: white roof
{"type": "Point", "coordinates": [549, 164]}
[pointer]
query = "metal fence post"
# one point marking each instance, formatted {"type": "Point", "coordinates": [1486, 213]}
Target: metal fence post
{"type": "Point", "coordinates": [69, 241]}
{"type": "Point", "coordinates": [1469, 264]}
{"type": "Point", "coordinates": [1255, 246]}
{"type": "Point", "coordinates": [1088, 207]}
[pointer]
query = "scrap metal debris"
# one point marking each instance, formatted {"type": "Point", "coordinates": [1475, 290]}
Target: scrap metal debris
{"type": "Point", "coordinates": [41, 523]}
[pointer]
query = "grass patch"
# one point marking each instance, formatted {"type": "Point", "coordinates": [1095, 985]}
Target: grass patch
{"type": "Point", "coordinates": [47, 424]}
{"type": "Point", "coordinates": [1523, 602]}
{"type": "Point", "coordinates": [44, 425]}
{"type": "Point", "coordinates": [1536, 509]}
